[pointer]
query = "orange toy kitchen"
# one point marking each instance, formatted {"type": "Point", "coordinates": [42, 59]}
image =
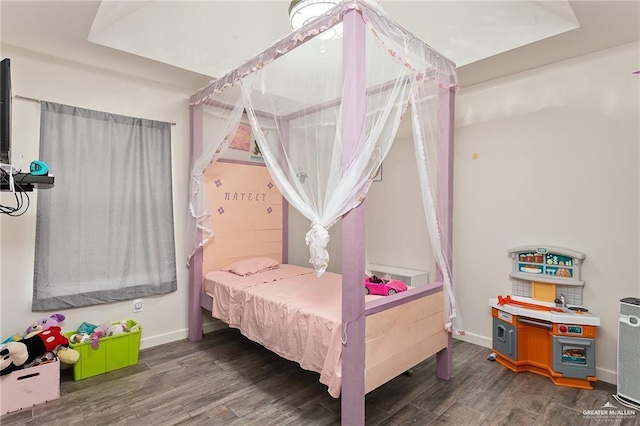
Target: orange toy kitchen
{"type": "Point", "coordinates": [542, 327]}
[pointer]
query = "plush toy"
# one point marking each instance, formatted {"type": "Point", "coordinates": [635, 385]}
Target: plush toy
{"type": "Point", "coordinates": [80, 338]}
{"type": "Point", "coordinates": [118, 328]}
{"type": "Point", "coordinates": [16, 337]}
{"type": "Point", "coordinates": [95, 338]}
{"type": "Point", "coordinates": [86, 328]}
{"type": "Point", "coordinates": [89, 333]}
{"type": "Point", "coordinates": [99, 332]}
{"type": "Point", "coordinates": [44, 324]}
{"type": "Point", "coordinates": [14, 354]}
{"type": "Point", "coordinates": [35, 346]}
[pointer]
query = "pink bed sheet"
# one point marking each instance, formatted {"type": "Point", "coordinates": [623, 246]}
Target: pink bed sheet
{"type": "Point", "coordinates": [289, 311]}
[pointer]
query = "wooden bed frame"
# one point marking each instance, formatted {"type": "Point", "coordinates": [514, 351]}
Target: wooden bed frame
{"type": "Point", "coordinates": [387, 336]}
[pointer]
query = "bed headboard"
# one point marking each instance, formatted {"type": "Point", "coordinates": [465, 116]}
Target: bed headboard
{"type": "Point", "coordinates": [247, 214]}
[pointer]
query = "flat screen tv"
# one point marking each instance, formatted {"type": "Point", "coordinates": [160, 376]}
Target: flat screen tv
{"type": "Point", "coordinates": [5, 111]}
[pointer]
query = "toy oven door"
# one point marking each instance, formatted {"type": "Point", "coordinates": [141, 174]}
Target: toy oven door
{"type": "Point", "coordinates": [574, 356]}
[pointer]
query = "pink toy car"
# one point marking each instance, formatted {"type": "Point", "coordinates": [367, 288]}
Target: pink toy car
{"type": "Point", "coordinates": [375, 285]}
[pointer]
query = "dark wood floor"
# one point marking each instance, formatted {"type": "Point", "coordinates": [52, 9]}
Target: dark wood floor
{"type": "Point", "coordinates": [227, 380]}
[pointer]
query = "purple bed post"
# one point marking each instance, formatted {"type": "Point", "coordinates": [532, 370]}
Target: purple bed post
{"type": "Point", "coordinates": [285, 125]}
{"type": "Point", "coordinates": [353, 223]}
{"type": "Point", "coordinates": [195, 268]}
{"type": "Point", "coordinates": [446, 114]}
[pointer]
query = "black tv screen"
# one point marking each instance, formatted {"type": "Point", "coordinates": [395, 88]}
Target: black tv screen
{"type": "Point", "coordinates": [5, 111]}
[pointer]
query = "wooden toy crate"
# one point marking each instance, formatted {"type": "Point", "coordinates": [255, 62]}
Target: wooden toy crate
{"type": "Point", "coordinates": [30, 386]}
{"type": "Point", "coordinates": [113, 352]}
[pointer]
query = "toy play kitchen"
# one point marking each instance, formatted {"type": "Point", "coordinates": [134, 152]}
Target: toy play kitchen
{"type": "Point", "coordinates": [543, 327]}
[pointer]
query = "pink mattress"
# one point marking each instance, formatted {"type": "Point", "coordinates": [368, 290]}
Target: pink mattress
{"type": "Point", "coordinates": [289, 311]}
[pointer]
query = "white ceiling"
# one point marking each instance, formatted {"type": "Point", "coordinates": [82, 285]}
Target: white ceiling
{"type": "Point", "coordinates": [203, 38]}
{"type": "Point", "coordinates": [189, 41]}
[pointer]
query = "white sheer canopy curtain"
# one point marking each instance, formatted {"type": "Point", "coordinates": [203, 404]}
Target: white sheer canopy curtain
{"type": "Point", "coordinates": [430, 72]}
{"type": "Point", "coordinates": [424, 116]}
{"type": "Point", "coordinates": [224, 113]}
{"type": "Point", "coordinates": [297, 123]}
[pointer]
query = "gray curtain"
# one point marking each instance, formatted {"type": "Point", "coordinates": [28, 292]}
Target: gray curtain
{"type": "Point", "coordinates": [104, 232]}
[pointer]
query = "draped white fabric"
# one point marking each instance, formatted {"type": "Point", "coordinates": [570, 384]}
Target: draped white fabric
{"type": "Point", "coordinates": [228, 113]}
{"type": "Point", "coordinates": [304, 151]}
{"type": "Point", "coordinates": [293, 95]}
{"type": "Point", "coordinates": [424, 115]}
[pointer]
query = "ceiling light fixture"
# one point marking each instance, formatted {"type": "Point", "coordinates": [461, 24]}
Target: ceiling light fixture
{"type": "Point", "coordinates": [301, 12]}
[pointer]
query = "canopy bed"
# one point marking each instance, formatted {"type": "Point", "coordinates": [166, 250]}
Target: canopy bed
{"type": "Point", "coordinates": [324, 113]}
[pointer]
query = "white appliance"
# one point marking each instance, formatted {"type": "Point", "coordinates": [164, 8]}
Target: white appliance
{"type": "Point", "coordinates": [629, 352]}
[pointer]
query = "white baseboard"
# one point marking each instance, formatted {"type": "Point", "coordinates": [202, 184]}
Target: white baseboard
{"type": "Point", "coordinates": [173, 336]}
{"type": "Point", "coordinates": [608, 376]}
{"type": "Point", "coordinates": [161, 339]}
{"type": "Point", "coordinates": [476, 339]}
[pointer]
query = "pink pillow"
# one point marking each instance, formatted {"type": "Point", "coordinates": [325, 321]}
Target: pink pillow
{"type": "Point", "coordinates": [251, 266]}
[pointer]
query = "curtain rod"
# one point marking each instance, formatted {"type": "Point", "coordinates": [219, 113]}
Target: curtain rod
{"type": "Point", "coordinates": [25, 98]}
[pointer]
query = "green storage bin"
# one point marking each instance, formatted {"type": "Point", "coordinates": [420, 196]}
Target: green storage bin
{"type": "Point", "coordinates": [113, 352]}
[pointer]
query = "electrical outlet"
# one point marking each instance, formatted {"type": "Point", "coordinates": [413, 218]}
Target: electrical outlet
{"type": "Point", "coordinates": [137, 305]}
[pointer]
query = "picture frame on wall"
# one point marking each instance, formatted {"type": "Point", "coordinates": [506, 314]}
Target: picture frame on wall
{"type": "Point", "coordinates": [242, 139]}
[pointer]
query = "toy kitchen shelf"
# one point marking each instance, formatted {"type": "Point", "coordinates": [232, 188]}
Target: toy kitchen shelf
{"type": "Point", "coordinates": [553, 265]}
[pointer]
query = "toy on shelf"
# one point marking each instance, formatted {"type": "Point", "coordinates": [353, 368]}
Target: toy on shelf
{"type": "Point", "coordinates": [375, 285]}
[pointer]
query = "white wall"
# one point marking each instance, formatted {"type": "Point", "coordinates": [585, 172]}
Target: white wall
{"type": "Point", "coordinates": [396, 227]}
{"type": "Point", "coordinates": [164, 318]}
{"type": "Point", "coordinates": [557, 164]}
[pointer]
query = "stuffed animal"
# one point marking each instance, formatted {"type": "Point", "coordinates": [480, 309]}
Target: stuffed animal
{"type": "Point", "coordinates": [86, 328]}
{"type": "Point", "coordinates": [118, 328]}
{"type": "Point", "coordinates": [14, 354]}
{"type": "Point", "coordinates": [99, 332]}
{"type": "Point", "coordinates": [80, 338]}
{"type": "Point", "coordinates": [92, 334]}
{"type": "Point", "coordinates": [16, 337]}
{"type": "Point", "coordinates": [35, 346]}
{"type": "Point", "coordinates": [95, 338]}
{"type": "Point", "coordinates": [44, 324]}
